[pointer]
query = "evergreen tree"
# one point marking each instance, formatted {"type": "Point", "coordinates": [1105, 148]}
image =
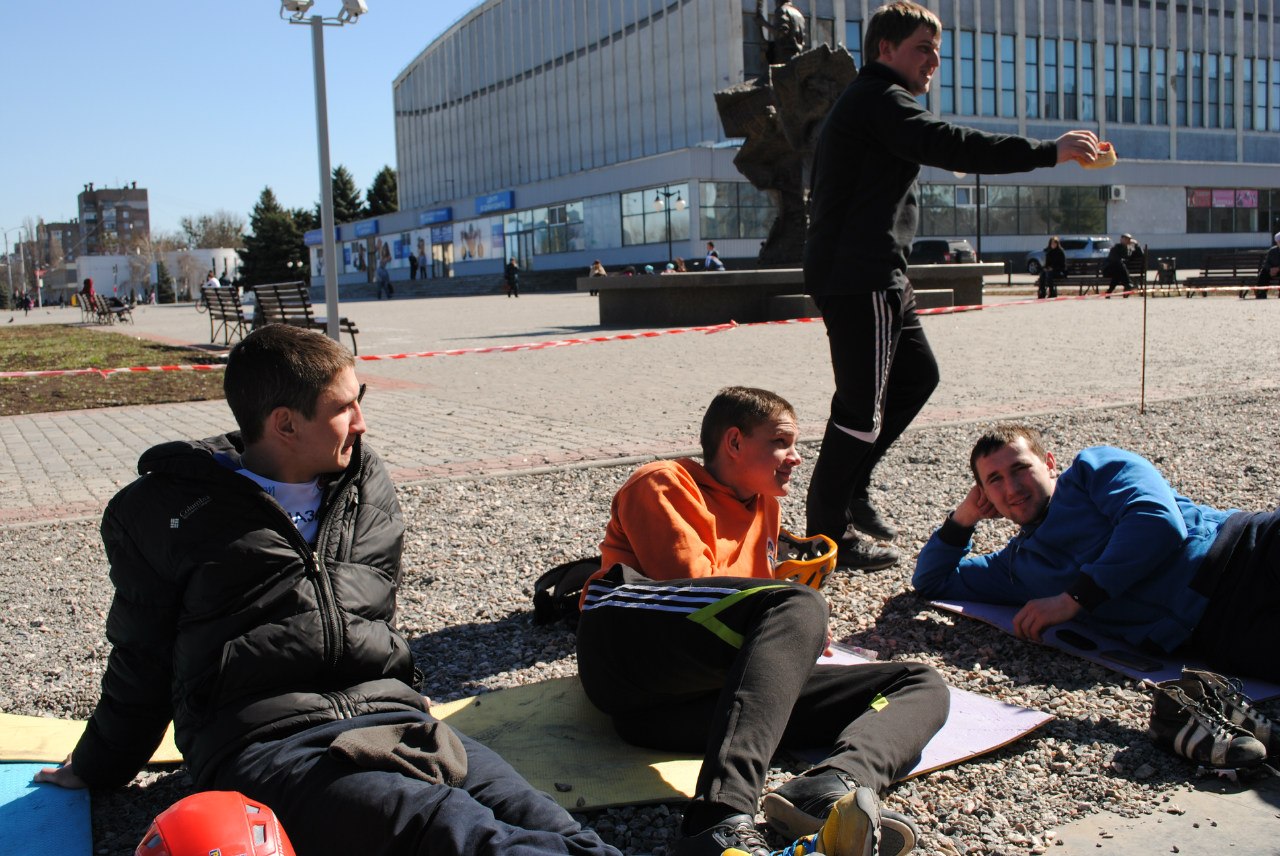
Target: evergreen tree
{"type": "Point", "coordinates": [346, 197]}
{"type": "Point", "coordinates": [275, 241]}
{"type": "Point", "coordinates": [164, 284]}
{"type": "Point", "coordinates": [381, 196]}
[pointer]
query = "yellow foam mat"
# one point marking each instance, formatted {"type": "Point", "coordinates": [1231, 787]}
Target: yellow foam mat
{"type": "Point", "coordinates": [38, 738]}
{"type": "Point", "coordinates": [558, 741]}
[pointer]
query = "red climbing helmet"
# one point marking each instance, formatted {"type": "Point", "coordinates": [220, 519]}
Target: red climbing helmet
{"type": "Point", "coordinates": [225, 823]}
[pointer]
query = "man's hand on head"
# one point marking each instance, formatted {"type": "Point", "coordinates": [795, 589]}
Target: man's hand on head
{"type": "Point", "coordinates": [1078, 145]}
{"type": "Point", "coordinates": [1041, 614]}
{"type": "Point", "coordinates": [63, 776]}
{"type": "Point", "coordinates": [975, 507]}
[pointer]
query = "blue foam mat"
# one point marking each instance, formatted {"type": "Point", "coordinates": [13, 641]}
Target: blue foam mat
{"type": "Point", "coordinates": [36, 820]}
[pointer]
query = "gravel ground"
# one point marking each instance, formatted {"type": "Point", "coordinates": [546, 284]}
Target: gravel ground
{"type": "Point", "coordinates": [475, 546]}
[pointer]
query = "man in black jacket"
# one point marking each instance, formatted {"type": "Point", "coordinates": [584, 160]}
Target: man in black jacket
{"type": "Point", "coordinates": [862, 219]}
{"type": "Point", "coordinates": [255, 577]}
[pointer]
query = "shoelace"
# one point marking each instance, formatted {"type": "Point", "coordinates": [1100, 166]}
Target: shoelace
{"type": "Point", "coordinates": [1212, 720]}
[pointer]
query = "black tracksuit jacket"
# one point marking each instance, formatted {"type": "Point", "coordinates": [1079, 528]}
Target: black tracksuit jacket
{"type": "Point", "coordinates": [863, 210]}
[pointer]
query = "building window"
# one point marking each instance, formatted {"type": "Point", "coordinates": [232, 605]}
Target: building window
{"type": "Point", "coordinates": [1260, 94]}
{"type": "Point", "coordinates": [988, 60]}
{"type": "Point", "coordinates": [1213, 116]}
{"type": "Point", "coordinates": [734, 209]}
{"type": "Point", "coordinates": [1197, 89]}
{"type": "Point", "coordinates": [1088, 111]}
{"type": "Point", "coordinates": [947, 74]}
{"type": "Point", "coordinates": [1051, 78]}
{"type": "Point", "coordinates": [1069, 99]}
{"type": "Point", "coordinates": [1228, 91]}
{"type": "Point", "coordinates": [1144, 85]}
{"type": "Point", "coordinates": [1180, 88]}
{"type": "Point", "coordinates": [967, 75]}
{"type": "Point", "coordinates": [1230, 210]}
{"type": "Point", "coordinates": [1032, 83]}
{"type": "Point", "coordinates": [1275, 95]}
{"type": "Point", "coordinates": [752, 48]}
{"type": "Point", "coordinates": [853, 40]}
{"type": "Point", "coordinates": [1128, 110]}
{"type": "Point", "coordinates": [948, 210]}
{"type": "Point", "coordinates": [1109, 82]}
{"type": "Point", "coordinates": [1008, 78]}
{"type": "Point", "coordinates": [1162, 86]}
{"type": "Point", "coordinates": [645, 222]}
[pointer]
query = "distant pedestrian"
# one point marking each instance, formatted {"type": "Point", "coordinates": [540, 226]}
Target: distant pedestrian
{"type": "Point", "coordinates": [597, 269]}
{"type": "Point", "coordinates": [382, 278]}
{"type": "Point", "coordinates": [511, 277]}
{"type": "Point", "coordinates": [1270, 270]}
{"type": "Point", "coordinates": [712, 261]}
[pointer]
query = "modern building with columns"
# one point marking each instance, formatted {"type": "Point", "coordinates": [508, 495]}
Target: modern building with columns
{"type": "Point", "coordinates": [562, 131]}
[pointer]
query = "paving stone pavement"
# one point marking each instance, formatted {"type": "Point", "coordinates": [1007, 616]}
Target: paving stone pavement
{"type": "Point", "coordinates": [609, 401]}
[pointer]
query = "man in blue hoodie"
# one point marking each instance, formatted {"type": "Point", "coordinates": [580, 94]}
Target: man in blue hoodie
{"type": "Point", "coordinates": [1109, 542]}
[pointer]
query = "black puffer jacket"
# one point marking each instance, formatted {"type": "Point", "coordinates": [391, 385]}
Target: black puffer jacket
{"type": "Point", "coordinates": [225, 620]}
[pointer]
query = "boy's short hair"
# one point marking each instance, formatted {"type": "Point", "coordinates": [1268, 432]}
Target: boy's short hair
{"type": "Point", "coordinates": [1002, 435]}
{"type": "Point", "coordinates": [280, 366]}
{"type": "Point", "coordinates": [894, 22]}
{"type": "Point", "coordinates": [741, 407]}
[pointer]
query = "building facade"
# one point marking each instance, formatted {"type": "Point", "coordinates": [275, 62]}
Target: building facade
{"type": "Point", "coordinates": [562, 131]}
{"type": "Point", "coordinates": [112, 219]}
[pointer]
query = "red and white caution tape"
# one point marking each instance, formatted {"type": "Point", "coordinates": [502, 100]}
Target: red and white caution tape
{"type": "Point", "coordinates": [620, 337]}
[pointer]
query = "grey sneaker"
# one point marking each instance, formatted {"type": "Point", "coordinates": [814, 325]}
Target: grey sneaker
{"type": "Point", "coordinates": [736, 834]}
{"type": "Point", "coordinates": [1185, 721]}
{"type": "Point", "coordinates": [866, 555]}
{"type": "Point", "coordinates": [1227, 695]}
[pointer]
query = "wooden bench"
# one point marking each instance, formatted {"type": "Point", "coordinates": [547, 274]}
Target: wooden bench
{"type": "Point", "coordinates": [290, 303]}
{"type": "Point", "coordinates": [1089, 273]}
{"type": "Point", "coordinates": [226, 313]}
{"type": "Point", "coordinates": [1227, 270]}
{"type": "Point", "coordinates": [108, 310]}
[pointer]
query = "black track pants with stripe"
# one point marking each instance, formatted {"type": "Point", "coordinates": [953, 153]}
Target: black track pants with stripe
{"type": "Point", "coordinates": [725, 666]}
{"type": "Point", "coordinates": [885, 372]}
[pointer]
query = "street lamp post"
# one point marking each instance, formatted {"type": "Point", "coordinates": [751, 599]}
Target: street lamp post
{"type": "Point", "coordinates": [351, 10]}
{"type": "Point", "coordinates": [660, 200]}
{"type": "Point", "coordinates": [8, 262]}
{"type": "Point", "coordinates": [977, 201]}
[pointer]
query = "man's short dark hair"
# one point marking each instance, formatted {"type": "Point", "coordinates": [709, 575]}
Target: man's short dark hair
{"type": "Point", "coordinates": [894, 22]}
{"type": "Point", "coordinates": [280, 366]}
{"type": "Point", "coordinates": [741, 407]}
{"type": "Point", "coordinates": [1005, 435]}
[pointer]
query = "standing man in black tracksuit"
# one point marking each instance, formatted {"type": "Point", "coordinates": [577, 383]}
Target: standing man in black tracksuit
{"type": "Point", "coordinates": [255, 577]}
{"type": "Point", "coordinates": [862, 220]}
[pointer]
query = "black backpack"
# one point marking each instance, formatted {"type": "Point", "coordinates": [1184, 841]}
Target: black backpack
{"type": "Point", "coordinates": [556, 593]}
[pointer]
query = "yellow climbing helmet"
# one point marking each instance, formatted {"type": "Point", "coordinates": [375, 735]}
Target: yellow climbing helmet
{"type": "Point", "coordinates": [805, 560]}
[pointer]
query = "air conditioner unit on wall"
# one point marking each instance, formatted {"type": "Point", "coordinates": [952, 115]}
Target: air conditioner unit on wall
{"type": "Point", "coordinates": [1117, 193]}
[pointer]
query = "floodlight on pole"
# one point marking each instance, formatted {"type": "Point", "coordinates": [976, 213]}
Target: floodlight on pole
{"type": "Point", "coordinates": [297, 14]}
{"type": "Point", "coordinates": [660, 199]}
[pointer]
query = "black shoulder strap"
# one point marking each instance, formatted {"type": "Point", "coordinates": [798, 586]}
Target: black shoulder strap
{"type": "Point", "coordinates": [556, 592]}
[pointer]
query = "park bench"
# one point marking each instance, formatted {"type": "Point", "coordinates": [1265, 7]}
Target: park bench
{"type": "Point", "coordinates": [226, 314]}
{"type": "Point", "coordinates": [1088, 273]}
{"type": "Point", "coordinates": [108, 310]}
{"type": "Point", "coordinates": [1229, 269]}
{"type": "Point", "coordinates": [290, 303]}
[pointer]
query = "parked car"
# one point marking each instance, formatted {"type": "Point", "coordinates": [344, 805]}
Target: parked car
{"type": "Point", "coordinates": [941, 251]}
{"type": "Point", "coordinates": [1075, 248]}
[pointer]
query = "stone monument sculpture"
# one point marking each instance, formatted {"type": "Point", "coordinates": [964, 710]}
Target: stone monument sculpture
{"type": "Point", "coordinates": [778, 115]}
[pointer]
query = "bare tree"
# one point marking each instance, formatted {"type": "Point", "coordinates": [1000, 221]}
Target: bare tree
{"type": "Point", "coordinates": [219, 229]}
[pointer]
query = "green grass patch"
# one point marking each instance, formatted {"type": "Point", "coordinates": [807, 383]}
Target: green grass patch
{"type": "Point", "coordinates": [54, 346]}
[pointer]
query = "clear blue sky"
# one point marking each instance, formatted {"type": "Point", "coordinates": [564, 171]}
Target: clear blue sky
{"type": "Point", "coordinates": [202, 103]}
